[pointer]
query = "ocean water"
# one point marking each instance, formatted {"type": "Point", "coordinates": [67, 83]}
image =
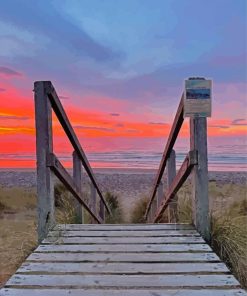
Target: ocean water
{"type": "Point", "coordinates": [220, 158]}
{"type": "Point", "coordinates": [217, 160]}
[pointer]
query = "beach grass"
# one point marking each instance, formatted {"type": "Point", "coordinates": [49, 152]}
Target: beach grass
{"type": "Point", "coordinates": [18, 236]}
{"type": "Point", "coordinates": [115, 207]}
{"type": "Point", "coordinates": [228, 222]}
{"type": "Point", "coordinates": [228, 205]}
{"type": "Point", "coordinates": [139, 209]}
{"type": "Point", "coordinates": [229, 219]}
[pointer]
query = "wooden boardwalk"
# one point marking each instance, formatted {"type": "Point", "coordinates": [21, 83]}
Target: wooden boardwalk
{"type": "Point", "coordinates": [141, 260]}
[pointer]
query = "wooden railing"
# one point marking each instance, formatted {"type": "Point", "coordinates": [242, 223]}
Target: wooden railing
{"type": "Point", "coordinates": [195, 163]}
{"type": "Point", "coordinates": [47, 99]}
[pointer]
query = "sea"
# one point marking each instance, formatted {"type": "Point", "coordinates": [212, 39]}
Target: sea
{"type": "Point", "coordinates": [219, 159]}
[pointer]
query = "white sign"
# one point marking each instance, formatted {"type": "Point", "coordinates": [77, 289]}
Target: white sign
{"type": "Point", "coordinates": [197, 97]}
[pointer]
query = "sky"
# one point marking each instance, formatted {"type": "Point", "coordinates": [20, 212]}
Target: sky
{"type": "Point", "coordinates": [119, 68]}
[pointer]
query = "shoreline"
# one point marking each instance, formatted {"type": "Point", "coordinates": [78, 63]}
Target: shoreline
{"type": "Point", "coordinates": [120, 170]}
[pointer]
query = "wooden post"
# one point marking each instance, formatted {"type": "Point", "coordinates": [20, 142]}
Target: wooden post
{"type": "Point", "coordinates": [200, 201]}
{"type": "Point", "coordinates": [93, 201]}
{"type": "Point", "coordinates": [44, 146]}
{"type": "Point", "coordinates": [102, 210]}
{"type": "Point", "coordinates": [160, 193]}
{"type": "Point", "coordinates": [77, 176]}
{"type": "Point", "coordinates": [171, 174]}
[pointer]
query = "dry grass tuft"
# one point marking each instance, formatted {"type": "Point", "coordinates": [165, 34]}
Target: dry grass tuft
{"type": "Point", "coordinates": [65, 211]}
{"type": "Point", "coordinates": [138, 212]}
{"type": "Point", "coordinates": [229, 238]}
{"type": "Point", "coordinates": [115, 207]}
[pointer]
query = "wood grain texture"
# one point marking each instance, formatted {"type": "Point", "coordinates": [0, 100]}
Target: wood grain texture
{"type": "Point", "coordinates": [200, 200]}
{"type": "Point", "coordinates": [131, 267]}
{"type": "Point", "coordinates": [77, 177]}
{"type": "Point", "coordinates": [122, 268]}
{"type": "Point", "coordinates": [44, 146]}
{"type": "Point", "coordinates": [124, 257]}
{"type": "Point", "coordinates": [171, 174]}
{"type": "Point", "coordinates": [123, 240]}
{"type": "Point", "coordinates": [122, 292]}
{"type": "Point", "coordinates": [112, 233]}
{"type": "Point", "coordinates": [130, 227]}
{"type": "Point", "coordinates": [141, 248]}
{"type": "Point", "coordinates": [124, 281]}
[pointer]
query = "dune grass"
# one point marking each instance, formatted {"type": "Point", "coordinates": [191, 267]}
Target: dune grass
{"type": "Point", "coordinates": [17, 228]}
{"type": "Point", "coordinates": [138, 212]}
{"type": "Point", "coordinates": [229, 238]}
{"type": "Point", "coordinates": [228, 222]}
{"type": "Point", "coordinates": [115, 207]}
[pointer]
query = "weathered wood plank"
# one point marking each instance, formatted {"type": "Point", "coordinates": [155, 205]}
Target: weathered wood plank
{"type": "Point", "coordinates": [93, 201]}
{"type": "Point", "coordinates": [67, 180]}
{"type": "Point", "coordinates": [88, 233]}
{"type": "Point", "coordinates": [118, 281]}
{"type": "Point", "coordinates": [63, 119]}
{"type": "Point", "coordinates": [118, 227]}
{"type": "Point", "coordinates": [77, 176]}
{"type": "Point", "coordinates": [171, 174]}
{"type": "Point", "coordinates": [122, 268]}
{"type": "Point", "coordinates": [123, 240]}
{"type": "Point", "coordinates": [44, 146]}
{"type": "Point", "coordinates": [155, 248]}
{"type": "Point", "coordinates": [127, 292]}
{"type": "Point", "coordinates": [182, 175]}
{"type": "Point", "coordinates": [200, 200]}
{"type": "Point", "coordinates": [176, 126]}
{"type": "Point", "coordinates": [125, 257]}
{"type": "Point", "coordinates": [160, 193]}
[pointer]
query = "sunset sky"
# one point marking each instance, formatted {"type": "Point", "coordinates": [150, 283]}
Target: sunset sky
{"type": "Point", "coordinates": [119, 68]}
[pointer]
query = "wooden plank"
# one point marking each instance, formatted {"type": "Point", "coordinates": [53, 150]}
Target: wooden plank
{"type": "Point", "coordinates": [67, 180]}
{"type": "Point", "coordinates": [93, 200]}
{"type": "Point", "coordinates": [124, 257]}
{"type": "Point", "coordinates": [124, 240]}
{"type": "Point", "coordinates": [127, 281]}
{"type": "Point", "coordinates": [171, 174]}
{"type": "Point", "coordinates": [182, 175]}
{"type": "Point", "coordinates": [120, 227]}
{"type": "Point", "coordinates": [155, 248]}
{"type": "Point", "coordinates": [200, 200]}
{"type": "Point", "coordinates": [64, 121]}
{"type": "Point", "coordinates": [123, 233]}
{"type": "Point", "coordinates": [176, 126]}
{"type": "Point", "coordinates": [77, 176]}
{"type": "Point", "coordinates": [121, 292]}
{"type": "Point", "coordinates": [45, 186]}
{"type": "Point", "coordinates": [122, 268]}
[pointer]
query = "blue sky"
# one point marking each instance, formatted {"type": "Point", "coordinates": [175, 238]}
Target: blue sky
{"type": "Point", "coordinates": [128, 57]}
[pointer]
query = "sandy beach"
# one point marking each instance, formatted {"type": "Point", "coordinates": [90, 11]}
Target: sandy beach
{"type": "Point", "coordinates": [128, 184]}
{"type": "Point", "coordinates": [18, 212]}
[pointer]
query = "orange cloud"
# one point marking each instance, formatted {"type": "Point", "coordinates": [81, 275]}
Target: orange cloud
{"type": "Point", "coordinates": [96, 129]}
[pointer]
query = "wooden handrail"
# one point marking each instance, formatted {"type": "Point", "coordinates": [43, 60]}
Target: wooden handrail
{"type": "Point", "coordinates": [183, 173]}
{"type": "Point", "coordinates": [195, 164]}
{"type": "Point", "coordinates": [64, 121]}
{"type": "Point", "coordinates": [66, 179]}
{"type": "Point", "coordinates": [47, 99]}
{"type": "Point", "coordinates": [177, 124]}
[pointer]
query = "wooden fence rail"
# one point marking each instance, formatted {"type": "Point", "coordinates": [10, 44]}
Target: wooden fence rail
{"type": "Point", "coordinates": [195, 164]}
{"type": "Point", "coordinates": [47, 99]}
